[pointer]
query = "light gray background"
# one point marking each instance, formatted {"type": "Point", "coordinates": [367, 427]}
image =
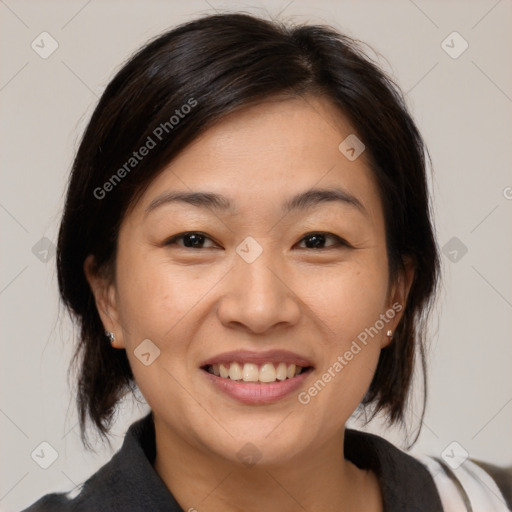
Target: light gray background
{"type": "Point", "coordinates": [463, 107]}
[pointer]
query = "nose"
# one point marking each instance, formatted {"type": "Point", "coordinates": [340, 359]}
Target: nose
{"type": "Point", "coordinates": [258, 298]}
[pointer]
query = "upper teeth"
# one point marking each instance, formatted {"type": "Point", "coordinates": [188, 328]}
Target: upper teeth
{"type": "Point", "coordinates": [250, 372]}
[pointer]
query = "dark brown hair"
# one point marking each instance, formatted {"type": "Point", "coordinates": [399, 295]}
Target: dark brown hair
{"type": "Point", "coordinates": [219, 64]}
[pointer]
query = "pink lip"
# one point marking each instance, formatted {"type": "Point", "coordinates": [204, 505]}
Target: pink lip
{"type": "Point", "coordinates": [269, 356]}
{"type": "Point", "coordinates": [254, 394]}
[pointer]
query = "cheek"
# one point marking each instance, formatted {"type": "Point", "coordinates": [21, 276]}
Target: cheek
{"type": "Point", "coordinates": [147, 290]}
{"type": "Point", "coordinates": [153, 304]}
{"type": "Point", "coordinates": [157, 299]}
{"type": "Point", "coordinates": [348, 298]}
{"type": "Point", "coordinates": [349, 304]}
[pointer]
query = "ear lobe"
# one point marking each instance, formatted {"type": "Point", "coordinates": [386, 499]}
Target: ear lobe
{"type": "Point", "coordinates": [106, 300]}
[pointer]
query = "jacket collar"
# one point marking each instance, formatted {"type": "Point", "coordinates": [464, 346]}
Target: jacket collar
{"type": "Point", "coordinates": [129, 482]}
{"type": "Point", "coordinates": [406, 484]}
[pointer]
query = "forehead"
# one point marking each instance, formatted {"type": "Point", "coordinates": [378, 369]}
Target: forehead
{"type": "Point", "coordinates": [263, 154]}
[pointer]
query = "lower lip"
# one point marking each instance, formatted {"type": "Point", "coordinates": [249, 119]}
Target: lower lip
{"type": "Point", "coordinates": [254, 394]}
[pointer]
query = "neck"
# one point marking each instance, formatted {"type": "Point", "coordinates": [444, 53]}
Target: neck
{"type": "Point", "coordinates": [323, 480]}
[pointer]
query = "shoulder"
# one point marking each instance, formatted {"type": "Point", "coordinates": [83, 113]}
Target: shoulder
{"type": "Point", "coordinates": [51, 503]}
{"type": "Point", "coordinates": [473, 485]}
{"type": "Point", "coordinates": [128, 482]}
{"type": "Point", "coordinates": [419, 482]}
{"type": "Point", "coordinates": [503, 478]}
{"type": "Point", "coordinates": [405, 482]}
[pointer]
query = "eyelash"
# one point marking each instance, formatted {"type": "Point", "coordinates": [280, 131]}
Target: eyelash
{"type": "Point", "coordinates": [340, 241]}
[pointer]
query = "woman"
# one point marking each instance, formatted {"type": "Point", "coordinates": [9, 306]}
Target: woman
{"type": "Point", "coordinates": [248, 221]}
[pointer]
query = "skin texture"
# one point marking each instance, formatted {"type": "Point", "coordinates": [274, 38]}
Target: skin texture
{"type": "Point", "coordinates": [195, 303]}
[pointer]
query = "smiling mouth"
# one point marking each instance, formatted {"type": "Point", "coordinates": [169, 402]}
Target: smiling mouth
{"type": "Point", "coordinates": [266, 373]}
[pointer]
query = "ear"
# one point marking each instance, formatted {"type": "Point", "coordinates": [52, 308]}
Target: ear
{"type": "Point", "coordinates": [105, 296]}
{"type": "Point", "coordinates": [397, 297]}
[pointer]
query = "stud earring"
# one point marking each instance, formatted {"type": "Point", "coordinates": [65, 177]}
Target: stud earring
{"type": "Point", "coordinates": [111, 337]}
{"type": "Point", "coordinates": [390, 333]}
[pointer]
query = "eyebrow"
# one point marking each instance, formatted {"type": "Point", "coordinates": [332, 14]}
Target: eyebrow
{"type": "Point", "coordinates": [304, 200]}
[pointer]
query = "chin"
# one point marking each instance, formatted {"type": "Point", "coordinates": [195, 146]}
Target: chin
{"type": "Point", "coordinates": [260, 444]}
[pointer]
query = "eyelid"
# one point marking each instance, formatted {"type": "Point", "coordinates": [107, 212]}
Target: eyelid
{"type": "Point", "coordinates": [339, 239]}
{"type": "Point", "coordinates": [171, 240]}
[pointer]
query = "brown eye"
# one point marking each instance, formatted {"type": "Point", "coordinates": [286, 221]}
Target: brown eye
{"type": "Point", "coordinates": [318, 241]}
{"type": "Point", "coordinates": [192, 240]}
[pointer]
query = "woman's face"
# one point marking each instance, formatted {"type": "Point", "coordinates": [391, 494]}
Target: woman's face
{"type": "Point", "coordinates": [284, 263]}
